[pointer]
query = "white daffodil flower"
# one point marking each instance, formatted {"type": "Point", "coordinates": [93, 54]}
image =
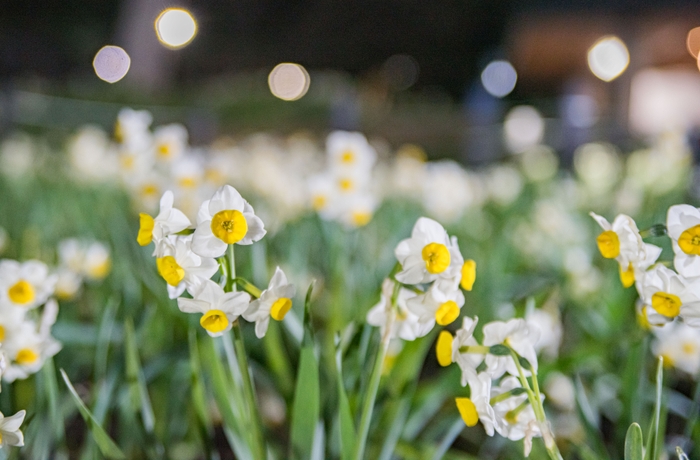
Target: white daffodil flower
{"type": "Point", "coordinates": [670, 295]}
{"type": "Point", "coordinates": [404, 324]}
{"type": "Point", "coordinates": [27, 284]}
{"type": "Point", "coordinates": [679, 344]}
{"type": "Point", "coordinates": [275, 302]}
{"type": "Point", "coordinates": [323, 196]}
{"type": "Point", "coordinates": [427, 255]}
{"type": "Point", "coordinates": [517, 416]}
{"type": "Point", "coordinates": [550, 331]}
{"type": "Point", "coordinates": [478, 406]}
{"type": "Point", "coordinates": [436, 305]}
{"type": "Point", "coordinates": [168, 221]}
{"type": "Point", "coordinates": [10, 434]}
{"type": "Point", "coordinates": [683, 224]}
{"type": "Point", "coordinates": [358, 210]}
{"type": "Point", "coordinates": [621, 241]}
{"type": "Point", "coordinates": [350, 151]}
{"type": "Point", "coordinates": [131, 129]}
{"type": "Point", "coordinates": [449, 349]}
{"type": "Point", "coordinates": [97, 263]}
{"type": "Point", "coordinates": [27, 346]}
{"type": "Point", "coordinates": [219, 309]}
{"type": "Point", "coordinates": [169, 142]}
{"type": "Point", "coordinates": [68, 283]}
{"type": "Point", "coordinates": [225, 219]}
{"type": "Point", "coordinates": [181, 268]}
{"type": "Point", "coordinates": [518, 335]}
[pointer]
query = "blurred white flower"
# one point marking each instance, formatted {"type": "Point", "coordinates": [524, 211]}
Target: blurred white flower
{"type": "Point", "coordinates": [349, 152]}
{"type": "Point", "coordinates": [518, 421]}
{"type": "Point", "coordinates": [219, 309]}
{"type": "Point", "coordinates": [132, 129]}
{"type": "Point", "coordinates": [181, 268]}
{"type": "Point", "coordinates": [68, 283]}
{"type": "Point", "coordinates": [26, 285]}
{"type": "Point", "coordinates": [679, 344]}
{"type": "Point", "coordinates": [403, 324]}
{"type": "Point", "coordinates": [17, 156]}
{"type": "Point", "coordinates": [518, 335]}
{"type": "Point", "coordinates": [550, 331]}
{"type": "Point", "coordinates": [670, 295]}
{"type": "Point", "coordinates": [169, 142]}
{"type": "Point", "coordinates": [274, 302]}
{"type": "Point", "coordinates": [168, 221]}
{"type": "Point", "coordinates": [448, 190]}
{"type": "Point", "coordinates": [560, 391]}
{"type": "Point", "coordinates": [598, 165]}
{"type": "Point", "coordinates": [504, 183]}
{"type": "Point", "coordinates": [683, 224]}
{"type": "Point", "coordinates": [91, 155]}
{"type": "Point", "coordinates": [539, 163]}
{"type": "Point", "coordinates": [10, 434]}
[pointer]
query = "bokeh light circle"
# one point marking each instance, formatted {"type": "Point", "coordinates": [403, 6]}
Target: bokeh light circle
{"type": "Point", "coordinates": [693, 42]}
{"type": "Point", "coordinates": [176, 27]}
{"type": "Point", "coordinates": [608, 58]}
{"type": "Point", "coordinates": [289, 81]}
{"type": "Point", "coordinates": [523, 128]}
{"type": "Point", "coordinates": [111, 63]}
{"type": "Point", "coordinates": [499, 78]}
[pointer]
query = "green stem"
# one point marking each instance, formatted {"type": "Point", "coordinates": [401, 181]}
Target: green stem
{"type": "Point", "coordinates": [536, 403]}
{"type": "Point", "coordinates": [258, 444]}
{"type": "Point", "coordinates": [248, 287]}
{"type": "Point", "coordinates": [368, 405]}
{"type": "Point", "coordinates": [478, 349]}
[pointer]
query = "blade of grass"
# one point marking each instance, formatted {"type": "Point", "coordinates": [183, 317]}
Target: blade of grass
{"type": "Point", "coordinates": [137, 383]}
{"type": "Point", "coordinates": [106, 445]}
{"type": "Point", "coordinates": [634, 443]}
{"type": "Point", "coordinates": [651, 451]}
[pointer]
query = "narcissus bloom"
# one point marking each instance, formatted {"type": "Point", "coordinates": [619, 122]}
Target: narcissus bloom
{"type": "Point", "coordinates": [27, 284]}
{"type": "Point", "coordinates": [10, 434]}
{"type": "Point", "coordinates": [479, 402]}
{"type": "Point", "coordinates": [225, 219]}
{"type": "Point", "coordinates": [670, 295]}
{"type": "Point", "coordinates": [683, 224]}
{"type": "Point", "coordinates": [219, 309]}
{"type": "Point", "coordinates": [404, 324]}
{"type": "Point", "coordinates": [679, 344]}
{"type": "Point", "coordinates": [437, 305]}
{"type": "Point", "coordinates": [181, 268]}
{"type": "Point", "coordinates": [517, 417]}
{"type": "Point", "coordinates": [450, 350]}
{"type": "Point", "coordinates": [518, 335]}
{"type": "Point", "coordinates": [168, 221]}
{"type": "Point", "coordinates": [169, 142]}
{"type": "Point", "coordinates": [275, 302]}
{"type": "Point", "coordinates": [348, 151]}
{"type": "Point", "coordinates": [427, 255]}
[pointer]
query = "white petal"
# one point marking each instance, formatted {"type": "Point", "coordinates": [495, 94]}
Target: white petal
{"type": "Point", "coordinates": [261, 327]}
{"type": "Point", "coordinates": [205, 244]}
{"type": "Point", "coordinates": [192, 305]}
{"type": "Point", "coordinates": [226, 198]}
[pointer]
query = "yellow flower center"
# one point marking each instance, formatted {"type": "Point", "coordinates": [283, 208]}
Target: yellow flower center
{"type": "Point", "coordinates": [280, 308]}
{"type": "Point", "coordinates": [127, 161]}
{"type": "Point", "coordinates": [99, 271]}
{"type": "Point", "coordinates": [627, 276]}
{"type": "Point", "coordinates": [229, 226]}
{"type": "Point", "coordinates": [2, 333]}
{"type": "Point", "coordinates": [26, 356]}
{"type": "Point", "coordinates": [170, 270]}
{"type": "Point", "coordinates": [608, 244]}
{"type": "Point", "coordinates": [214, 321]}
{"type": "Point", "coordinates": [146, 224]}
{"type": "Point", "coordinates": [118, 133]}
{"type": "Point", "coordinates": [443, 348]}
{"type": "Point", "coordinates": [512, 417]}
{"type": "Point", "coordinates": [689, 241]}
{"type": "Point", "coordinates": [346, 185]}
{"type": "Point", "coordinates": [689, 348]}
{"type": "Point", "coordinates": [187, 182]}
{"type": "Point", "coordinates": [467, 410]}
{"type": "Point", "coordinates": [21, 292]}
{"type": "Point", "coordinates": [149, 190]}
{"type": "Point", "coordinates": [642, 320]}
{"type": "Point", "coordinates": [348, 157]}
{"type": "Point", "coordinates": [164, 150]}
{"type": "Point", "coordinates": [214, 176]}
{"type": "Point", "coordinates": [361, 218]}
{"type": "Point", "coordinates": [446, 313]}
{"type": "Point", "coordinates": [319, 202]}
{"type": "Point", "coordinates": [666, 304]}
{"type": "Point", "coordinates": [668, 361]}
{"type": "Point", "coordinates": [436, 257]}
{"type": "Point", "coordinates": [468, 275]}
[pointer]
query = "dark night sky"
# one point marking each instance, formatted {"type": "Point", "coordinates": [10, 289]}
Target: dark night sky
{"type": "Point", "coordinates": [449, 39]}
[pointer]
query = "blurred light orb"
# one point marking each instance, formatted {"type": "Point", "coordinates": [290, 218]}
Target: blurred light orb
{"type": "Point", "coordinates": [111, 63]}
{"type": "Point", "coordinates": [499, 78]}
{"type": "Point", "coordinates": [693, 42]}
{"type": "Point", "coordinates": [289, 81]}
{"type": "Point", "coordinates": [400, 71]}
{"type": "Point", "coordinates": [176, 27]}
{"type": "Point", "coordinates": [523, 128]}
{"type": "Point", "coordinates": [608, 58]}
{"type": "Point", "coordinates": [580, 110]}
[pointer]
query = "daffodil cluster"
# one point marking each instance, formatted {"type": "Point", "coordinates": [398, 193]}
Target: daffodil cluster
{"type": "Point", "coordinates": [80, 260]}
{"type": "Point", "coordinates": [27, 312]}
{"type": "Point", "coordinates": [425, 290]}
{"type": "Point", "coordinates": [186, 257]}
{"type": "Point", "coordinates": [343, 192]}
{"type": "Point", "coordinates": [666, 295]}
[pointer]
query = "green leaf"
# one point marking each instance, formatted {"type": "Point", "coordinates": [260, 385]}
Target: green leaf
{"type": "Point", "coordinates": [651, 451]}
{"type": "Point", "coordinates": [106, 445]}
{"type": "Point", "coordinates": [345, 418]}
{"type": "Point", "coordinates": [306, 406]}
{"type": "Point", "coordinates": [138, 393]}
{"type": "Point", "coordinates": [499, 350]}
{"type": "Point", "coordinates": [633, 443]}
